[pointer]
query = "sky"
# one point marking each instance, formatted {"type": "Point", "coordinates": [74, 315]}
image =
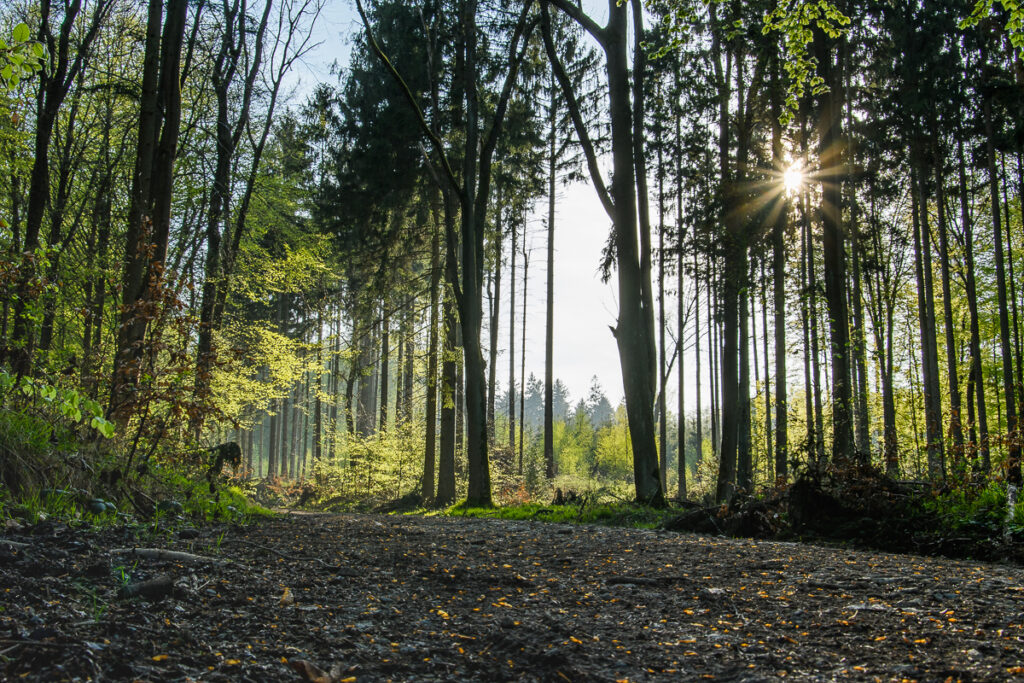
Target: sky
{"type": "Point", "coordinates": [585, 308]}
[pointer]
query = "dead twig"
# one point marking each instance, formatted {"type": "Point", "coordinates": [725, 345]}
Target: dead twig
{"type": "Point", "coordinates": [168, 555]}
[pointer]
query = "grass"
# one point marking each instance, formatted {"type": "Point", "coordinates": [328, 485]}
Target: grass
{"type": "Point", "coordinates": [605, 514]}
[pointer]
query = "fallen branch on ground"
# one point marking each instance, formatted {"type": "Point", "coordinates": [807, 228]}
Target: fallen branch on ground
{"type": "Point", "coordinates": [169, 555]}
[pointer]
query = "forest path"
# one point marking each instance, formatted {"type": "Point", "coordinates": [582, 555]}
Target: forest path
{"type": "Point", "coordinates": [373, 598]}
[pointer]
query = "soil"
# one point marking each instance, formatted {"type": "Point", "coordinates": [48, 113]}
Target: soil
{"type": "Point", "coordinates": [373, 598]}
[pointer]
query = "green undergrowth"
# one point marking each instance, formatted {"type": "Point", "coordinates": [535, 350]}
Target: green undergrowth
{"type": "Point", "coordinates": [56, 467]}
{"type": "Point", "coordinates": [606, 514]}
{"type": "Point", "coordinates": [983, 511]}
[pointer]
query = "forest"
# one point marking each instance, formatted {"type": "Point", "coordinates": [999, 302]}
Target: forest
{"type": "Point", "coordinates": [812, 211]}
{"type": "Point", "coordinates": [248, 321]}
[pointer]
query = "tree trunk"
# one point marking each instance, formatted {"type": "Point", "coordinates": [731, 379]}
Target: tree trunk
{"type": "Point", "coordinates": [1013, 465]}
{"type": "Point", "coordinates": [432, 349]}
{"type": "Point", "coordinates": [400, 367]}
{"type": "Point", "coordinates": [150, 214]}
{"type": "Point", "coordinates": [318, 428]}
{"type": "Point", "coordinates": [409, 374]}
{"type": "Point", "coordinates": [335, 384]}
{"type": "Point", "coordinates": [681, 408]}
{"type": "Point", "coordinates": [779, 224]}
{"type": "Point", "coordinates": [512, 343]}
{"type": "Point", "coordinates": [680, 323]}
{"type": "Point", "coordinates": [769, 443]}
{"type": "Point", "coordinates": [365, 417]}
{"type": "Point", "coordinates": [744, 461]}
{"type": "Point", "coordinates": [1014, 320]}
{"type": "Point", "coordinates": [926, 312]}
{"type": "Point", "coordinates": [446, 463]}
{"type": "Point", "coordinates": [522, 361]}
{"type": "Point", "coordinates": [832, 173]}
{"type": "Point", "coordinates": [955, 428]}
{"type": "Point", "coordinates": [385, 372]}
{"type": "Point", "coordinates": [549, 307]}
{"type": "Point", "coordinates": [492, 366]}
{"type": "Point", "coordinates": [662, 378]}
{"type": "Point", "coordinates": [699, 426]}
{"type": "Point", "coordinates": [978, 379]}
{"type": "Point", "coordinates": [634, 332]}
{"type": "Point", "coordinates": [272, 446]}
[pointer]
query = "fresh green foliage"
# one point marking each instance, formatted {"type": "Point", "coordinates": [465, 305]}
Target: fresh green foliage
{"type": "Point", "coordinates": [68, 402]}
{"type": "Point", "coordinates": [977, 511]}
{"type": "Point", "coordinates": [796, 20]}
{"type": "Point", "coordinates": [20, 58]}
{"type": "Point", "coordinates": [1014, 19]}
{"type": "Point", "coordinates": [226, 503]}
{"type": "Point", "coordinates": [371, 470]}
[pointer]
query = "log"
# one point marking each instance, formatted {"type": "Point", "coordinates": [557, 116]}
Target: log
{"type": "Point", "coordinates": [154, 589]}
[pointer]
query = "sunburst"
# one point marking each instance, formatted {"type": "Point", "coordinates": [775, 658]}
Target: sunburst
{"type": "Point", "coordinates": [793, 178]}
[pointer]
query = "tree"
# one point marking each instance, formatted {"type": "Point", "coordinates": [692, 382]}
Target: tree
{"type": "Point", "coordinates": [152, 188]}
{"type": "Point", "coordinates": [65, 62]}
{"type": "Point", "coordinates": [631, 240]}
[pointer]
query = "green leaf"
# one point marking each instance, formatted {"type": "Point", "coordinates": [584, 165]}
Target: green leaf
{"type": "Point", "coordinates": [21, 33]}
{"type": "Point", "coordinates": [92, 407]}
{"type": "Point", "coordinates": [103, 426]}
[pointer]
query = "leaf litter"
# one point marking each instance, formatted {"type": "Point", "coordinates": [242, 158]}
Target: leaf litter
{"type": "Point", "coordinates": [345, 598]}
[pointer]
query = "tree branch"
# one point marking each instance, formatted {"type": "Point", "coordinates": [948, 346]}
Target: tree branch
{"type": "Point", "coordinates": [600, 33]}
{"type": "Point", "coordinates": [573, 106]}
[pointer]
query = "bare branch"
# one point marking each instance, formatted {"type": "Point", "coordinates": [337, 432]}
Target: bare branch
{"type": "Point", "coordinates": [574, 112]}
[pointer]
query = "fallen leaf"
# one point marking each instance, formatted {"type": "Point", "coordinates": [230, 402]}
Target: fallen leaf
{"type": "Point", "coordinates": [311, 672]}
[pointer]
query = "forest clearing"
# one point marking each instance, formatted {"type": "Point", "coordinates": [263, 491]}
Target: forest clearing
{"type": "Point", "coordinates": [311, 313]}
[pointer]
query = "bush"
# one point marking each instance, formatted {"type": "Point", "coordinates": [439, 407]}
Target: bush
{"type": "Point", "coordinates": [971, 510]}
{"type": "Point", "coordinates": [366, 472]}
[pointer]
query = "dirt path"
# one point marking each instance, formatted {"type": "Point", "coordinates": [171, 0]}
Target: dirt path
{"type": "Point", "coordinates": [373, 598]}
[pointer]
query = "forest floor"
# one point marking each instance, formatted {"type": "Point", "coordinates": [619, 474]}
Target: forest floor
{"type": "Point", "coordinates": [339, 597]}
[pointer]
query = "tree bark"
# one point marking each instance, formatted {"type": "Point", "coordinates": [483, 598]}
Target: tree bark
{"type": "Point", "coordinates": [522, 361]}
{"type": "Point", "coordinates": [150, 214]}
{"type": "Point", "coordinates": [492, 366]}
{"type": "Point", "coordinates": [429, 451]}
{"type": "Point", "coordinates": [512, 342]}
{"type": "Point", "coordinates": [779, 225]}
{"type": "Point", "coordinates": [385, 371]}
{"type": "Point", "coordinates": [549, 299]}
{"type": "Point", "coordinates": [1013, 464]}
{"type": "Point", "coordinates": [446, 462]}
{"type": "Point", "coordinates": [953, 379]}
{"type": "Point", "coordinates": [831, 173]}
